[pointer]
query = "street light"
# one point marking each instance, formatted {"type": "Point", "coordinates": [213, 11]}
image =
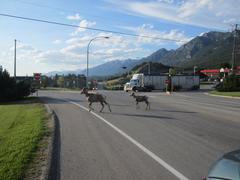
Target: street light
{"type": "Point", "coordinates": [106, 37]}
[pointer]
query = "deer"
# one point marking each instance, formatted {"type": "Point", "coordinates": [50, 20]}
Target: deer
{"type": "Point", "coordinates": [95, 97]}
{"type": "Point", "coordinates": [141, 99]}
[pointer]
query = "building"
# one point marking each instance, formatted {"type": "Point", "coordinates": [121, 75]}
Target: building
{"type": "Point", "coordinates": [215, 73]}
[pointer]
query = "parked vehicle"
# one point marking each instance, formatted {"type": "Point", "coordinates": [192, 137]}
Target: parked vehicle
{"type": "Point", "coordinates": [227, 167]}
{"type": "Point", "coordinates": [141, 82]}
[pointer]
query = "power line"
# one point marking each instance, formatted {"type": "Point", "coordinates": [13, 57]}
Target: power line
{"type": "Point", "coordinates": [88, 28]}
{"type": "Point", "coordinates": [99, 17]}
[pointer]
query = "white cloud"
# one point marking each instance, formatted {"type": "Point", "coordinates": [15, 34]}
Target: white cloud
{"type": "Point", "coordinates": [159, 37]}
{"type": "Point", "coordinates": [214, 14]}
{"type": "Point", "coordinates": [73, 51]}
{"type": "Point", "coordinates": [82, 26]}
{"type": "Point", "coordinates": [192, 7]}
{"type": "Point", "coordinates": [74, 17]}
{"type": "Point", "coordinates": [166, 1]}
{"type": "Point", "coordinates": [57, 41]}
{"type": "Point", "coordinates": [79, 40]}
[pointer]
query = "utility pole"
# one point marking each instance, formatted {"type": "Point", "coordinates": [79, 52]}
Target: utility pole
{"type": "Point", "coordinates": [235, 36]}
{"type": "Point", "coordinates": [194, 70]}
{"type": "Point", "coordinates": [15, 56]}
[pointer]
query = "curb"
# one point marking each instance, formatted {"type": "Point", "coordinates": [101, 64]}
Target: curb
{"type": "Point", "coordinates": [51, 170]}
{"type": "Point", "coordinates": [49, 150]}
{"type": "Point", "coordinates": [230, 97]}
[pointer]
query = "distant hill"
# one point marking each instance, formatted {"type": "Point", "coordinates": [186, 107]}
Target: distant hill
{"type": "Point", "coordinates": [155, 68]}
{"type": "Point", "coordinates": [109, 68]}
{"type": "Point", "coordinates": [207, 51]}
{"type": "Point", "coordinates": [112, 68]}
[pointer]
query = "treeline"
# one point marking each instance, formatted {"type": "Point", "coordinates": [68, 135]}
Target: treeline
{"type": "Point", "coordinates": [229, 84]}
{"type": "Point", "coordinates": [64, 81]}
{"type": "Point", "coordinates": [12, 90]}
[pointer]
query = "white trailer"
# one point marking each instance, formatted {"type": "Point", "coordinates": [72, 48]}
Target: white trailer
{"type": "Point", "coordinates": [143, 82]}
{"type": "Point", "coordinates": [154, 81]}
{"type": "Point", "coordinates": [186, 81]}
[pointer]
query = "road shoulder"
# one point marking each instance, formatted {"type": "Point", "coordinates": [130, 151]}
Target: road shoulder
{"type": "Point", "coordinates": [39, 168]}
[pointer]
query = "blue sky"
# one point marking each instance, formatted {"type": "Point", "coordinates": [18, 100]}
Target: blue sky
{"type": "Point", "coordinates": [46, 47]}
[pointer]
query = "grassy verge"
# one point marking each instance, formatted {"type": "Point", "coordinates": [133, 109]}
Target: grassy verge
{"type": "Point", "coordinates": [21, 128]}
{"type": "Point", "coordinates": [231, 94]}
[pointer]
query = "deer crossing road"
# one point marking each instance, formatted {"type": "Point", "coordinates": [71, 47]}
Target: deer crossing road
{"type": "Point", "coordinates": [180, 137]}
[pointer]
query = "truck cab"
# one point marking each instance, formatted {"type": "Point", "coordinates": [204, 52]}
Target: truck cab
{"type": "Point", "coordinates": [135, 84]}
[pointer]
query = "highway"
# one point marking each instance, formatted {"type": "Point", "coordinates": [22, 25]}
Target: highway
{"type": "Point", "coordinates": [180, 137]}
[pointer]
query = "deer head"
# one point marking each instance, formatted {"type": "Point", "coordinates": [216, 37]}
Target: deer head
{"type": "Point", "coordinates": [133, 94]}
{"type": "Point", "coordinates": [84, 91]}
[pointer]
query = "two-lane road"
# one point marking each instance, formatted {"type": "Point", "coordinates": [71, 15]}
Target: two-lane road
{"type": "Point", "coordinates": [179, 138]}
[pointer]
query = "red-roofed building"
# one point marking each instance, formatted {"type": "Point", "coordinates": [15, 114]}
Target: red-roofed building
{"type": "Point", "coordinates": [216, 72]}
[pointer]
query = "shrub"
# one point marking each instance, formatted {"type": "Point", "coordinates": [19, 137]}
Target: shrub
{"type": "Point", "coordinates": [230, 83]}
{"type": "Point", "coordinates": [10, 89]}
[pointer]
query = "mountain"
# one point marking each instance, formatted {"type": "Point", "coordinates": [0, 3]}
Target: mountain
{"type": "Point", "coordinates": [106, 69]}
{"type": "Point", "coordinates": [209, 50]}
{"type": "Point", "coordinates": [157, 56]}
{"type": "Point", "coordinates": [112, 68]}
{"type": "Point", "coordinates": [153, 67]}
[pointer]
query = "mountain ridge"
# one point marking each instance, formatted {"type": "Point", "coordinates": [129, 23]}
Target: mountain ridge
{"type": "Point", "coordinates": [209, 50]}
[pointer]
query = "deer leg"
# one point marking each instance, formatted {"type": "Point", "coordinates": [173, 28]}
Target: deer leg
{"type": "Point", "coordinates": [137, 106]}
{"type": "Point", "coordinates": [147, 103]}
{"type": "Point", "coordinates": [108, 106]}
{"type": "Point", "coordinates": [102, 106]}
{"type": "Point", "coordinates": [90, 106]}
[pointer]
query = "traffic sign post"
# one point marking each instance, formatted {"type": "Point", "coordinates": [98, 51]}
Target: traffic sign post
{"type": "Point", "coordinates": [37, 76]}
{"type": "Point", "coordinates": [36, 81]}
{"type": "Point", "coordinates": [168, 83]}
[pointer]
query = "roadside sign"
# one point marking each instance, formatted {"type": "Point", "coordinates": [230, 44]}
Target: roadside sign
{"type": "Point", "coordinates": [37, 76]}
{"type": "Point", "coordinates": [166, 81]}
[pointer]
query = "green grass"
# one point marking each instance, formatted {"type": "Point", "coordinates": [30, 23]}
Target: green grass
{"type": "Point", "coordinates": [231, 94]}
{"type": "Point", "coordinates": [21, 128]}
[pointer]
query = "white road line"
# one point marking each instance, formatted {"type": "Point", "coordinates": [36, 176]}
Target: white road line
{"type": "Point", "coordinates": [140, 146]}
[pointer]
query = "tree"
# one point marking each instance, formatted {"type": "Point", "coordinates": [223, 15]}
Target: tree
{"type": "Point", "coordinates": [10, 90]}
{"type": "Point", "coordinates": [225, 65]}
{"type": "Point", "coordinates": [60, 81]}
{"type": "Point", "coordinates": [172, 71]}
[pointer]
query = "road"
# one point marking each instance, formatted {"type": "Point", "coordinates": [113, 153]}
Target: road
{"type": "Point", "coordinates": [179, 138]}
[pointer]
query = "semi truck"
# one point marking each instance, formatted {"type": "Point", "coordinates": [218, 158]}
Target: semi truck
{"type": "Point", "coordinates": [141, 82]}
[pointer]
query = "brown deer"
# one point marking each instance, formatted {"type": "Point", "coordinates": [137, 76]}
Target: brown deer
{"type": "Point", "coordinates": [95, 97]}
{"type": "Point", "coordinates": [141, 99]}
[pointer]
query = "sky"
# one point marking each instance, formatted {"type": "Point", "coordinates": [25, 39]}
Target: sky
{"type": "Point", "coordinates": [154, 24]}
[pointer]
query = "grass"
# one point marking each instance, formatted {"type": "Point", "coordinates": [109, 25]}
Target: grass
{"type": "Point", "coordinates": [231, 94]}
{"type": "Point", "coordinates": [21, 128]}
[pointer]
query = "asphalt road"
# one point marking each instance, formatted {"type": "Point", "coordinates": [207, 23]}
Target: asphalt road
{"type": "Point", "coordinates": [179, 138]}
